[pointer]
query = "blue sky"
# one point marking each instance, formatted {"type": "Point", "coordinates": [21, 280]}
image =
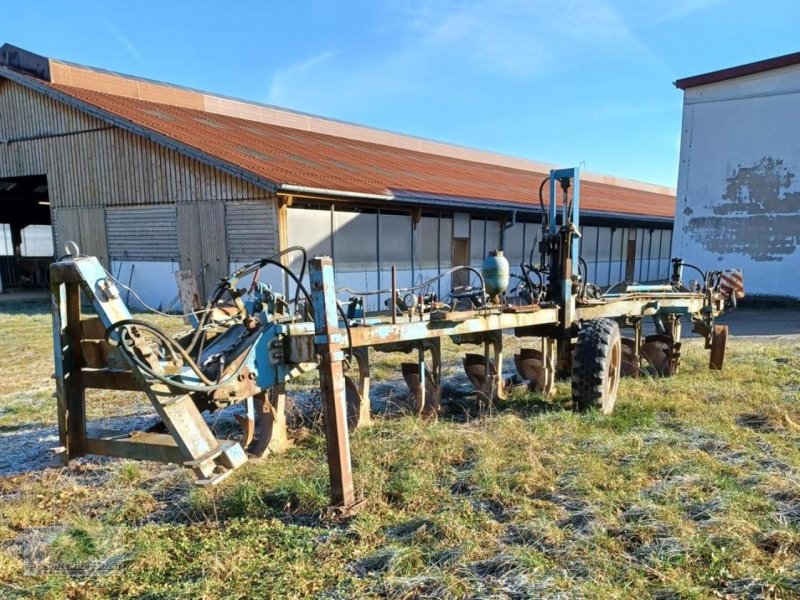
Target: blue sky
{"type": "Point", "coordinates": [564, 81]}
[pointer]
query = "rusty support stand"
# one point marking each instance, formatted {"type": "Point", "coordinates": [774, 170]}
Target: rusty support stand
{"type": "Point", "coordinates": [327, 342]}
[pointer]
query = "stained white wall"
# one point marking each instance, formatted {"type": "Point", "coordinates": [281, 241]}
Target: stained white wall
{"type": "Point", "coordinates": [738, 202]}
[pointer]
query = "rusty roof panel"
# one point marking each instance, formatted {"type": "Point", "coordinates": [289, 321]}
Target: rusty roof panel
{"type": "Point", "coordinates": [303, 158]}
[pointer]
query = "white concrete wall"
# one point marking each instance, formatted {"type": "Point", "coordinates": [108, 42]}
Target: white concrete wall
{"type": "Point", "coordinates": [738, 199]}
{"type": "Point", "coordinates": [153, 282]}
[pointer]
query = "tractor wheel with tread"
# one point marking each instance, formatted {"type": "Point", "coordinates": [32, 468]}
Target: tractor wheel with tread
{"type": "Point", "coordinates": [597, 366]}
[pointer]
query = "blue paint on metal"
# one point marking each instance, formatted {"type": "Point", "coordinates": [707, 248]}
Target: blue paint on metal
{"type": "Point", "coordinates": [322, 280]}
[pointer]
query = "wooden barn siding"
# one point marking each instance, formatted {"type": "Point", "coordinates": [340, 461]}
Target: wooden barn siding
{"type": "Point", "coordinates": [203, 241]}
{"type": "Point", "coordinates": [95, 166]}
{"type": "Point", "coordinates": [84, 226]}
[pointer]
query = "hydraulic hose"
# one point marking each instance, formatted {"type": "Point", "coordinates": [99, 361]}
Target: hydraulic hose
{"type": "Point", "coordinates": [208, 386]}
{"type": "Point", "coordinates": [545, 215]}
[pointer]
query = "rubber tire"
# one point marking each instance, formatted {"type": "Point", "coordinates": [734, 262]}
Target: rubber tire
{"type": "Point", "coordinates": [599, 345]}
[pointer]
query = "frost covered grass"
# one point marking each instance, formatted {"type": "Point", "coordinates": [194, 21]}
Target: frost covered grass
{"type": "Point", "coordinates": [691, 488]}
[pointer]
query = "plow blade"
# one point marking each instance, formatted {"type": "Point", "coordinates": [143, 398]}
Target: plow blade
{"type": "Point", "coordinates": [353, 400]}
{"type": "Point", "coordinates": [475, 368]}
{"type": "Point", "coordinates": [530, 366]}
{"type": "Point", "coordinates": [248, 426]}
{"type": "Point", "coordinates": [433, 392]}
{"type": "Point", "coordinates": [264, 431]}
{"type": "Point", "coordinates": [631, 362]}
{"type": "Point", "coordinates": [719, 341]}
{"type": "Point", "coordinates": [662, 353]}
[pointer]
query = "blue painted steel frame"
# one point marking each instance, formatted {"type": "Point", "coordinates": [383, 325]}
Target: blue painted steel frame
{"type": "Point", "coordinates": [556, 175]}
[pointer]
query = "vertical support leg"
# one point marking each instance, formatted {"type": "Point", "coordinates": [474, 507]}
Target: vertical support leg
{"type": "Point", "coordinates": [70, 394]}
{"type": "Point", "coordinates": [362, 358]}
{"type": "Point", "coordinates": [59, 302]}
{"type": "Point", "coordinates": [276, 419]}
{"type": "Point", "coordinates": [76, 396]}
{"type": "Point", "coordinates": [564, 357]}
{"type": "Point", "coordinates": [488, 385]}
{"type": "Point", "coordinates": [328, 347]}
{"type": "Point", "coordinates": [549, 366]}
{"type": "Point", "coordinates": [422, 374]}
{"type": "Point", "coordinates": [637, 337]}
{"type": "Point", "coordinates": [497, 344]}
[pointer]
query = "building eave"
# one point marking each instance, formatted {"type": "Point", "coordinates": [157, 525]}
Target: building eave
{"type": "Point", "coordinates": [778, 62]}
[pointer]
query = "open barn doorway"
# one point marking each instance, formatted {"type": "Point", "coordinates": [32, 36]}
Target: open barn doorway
{"type": "Point", "coordinates": [26, 233]}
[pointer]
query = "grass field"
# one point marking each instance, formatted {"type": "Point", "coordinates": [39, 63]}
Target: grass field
{"type": "Point", "coordinates": [691, 489]}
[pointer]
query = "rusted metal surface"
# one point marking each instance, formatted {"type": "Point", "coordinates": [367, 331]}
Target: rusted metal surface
{"type": "Point", "coordinates": [357, 391]}
{"type": "Point", "coordinates": [426, 397]}
{"type": "Point", "coordinates": [481, 373]}
{"type": "Point", "coordinates": [719, 342]}
{"type": "Point", "coordinates": [631, 359]}
{"type": "Point", "coordinates": [662, 353]}
{"type": "Point", "coordinates": [264, 424]}
{"type": "Point", "coordinates": [412, 329]}
{"type": "Point", "coordinates": [530, 366]}
{"type": "Point", "coordinates": [332, 384]}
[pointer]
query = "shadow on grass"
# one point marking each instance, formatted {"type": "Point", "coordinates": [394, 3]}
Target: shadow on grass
{"type": "Point", "coordinates": [27, 307]}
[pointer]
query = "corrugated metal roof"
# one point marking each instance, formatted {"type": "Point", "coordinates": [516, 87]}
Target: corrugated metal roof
{"type": "Point", "coordinates": [290, 156]}
{"type": "Point", "coordinates": [302, 158]}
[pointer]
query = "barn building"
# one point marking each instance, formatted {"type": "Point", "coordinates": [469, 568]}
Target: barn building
{"type": "Point", "coordinates": [153, 178]}
{"type": "Point", "coordinates": [738, 197]}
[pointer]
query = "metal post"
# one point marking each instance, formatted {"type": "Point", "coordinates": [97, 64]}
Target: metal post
{"type": "Point", "coordinates": [611, 253]}
{"type": "Point", "coordinates": [328, 346]}
{"type": "Point", "coordinates": [597, 256]}
{"type": "Point", "coordinates": [333, 232]}
{"type": "Point", "coordinates": [413, 249]}
{"type": "Point", "coordinates": [497, 344]}
{"type": "Point", "coordinates": [378, 255]}
{"type": "Point", "coordinates": [439, 254]}
{"type": "Point", "coordinates": [422, 375]}
{"type": "Point", "coordinates": [393, 301]}
{"type": "Point", "coordinates": [549, 366]}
